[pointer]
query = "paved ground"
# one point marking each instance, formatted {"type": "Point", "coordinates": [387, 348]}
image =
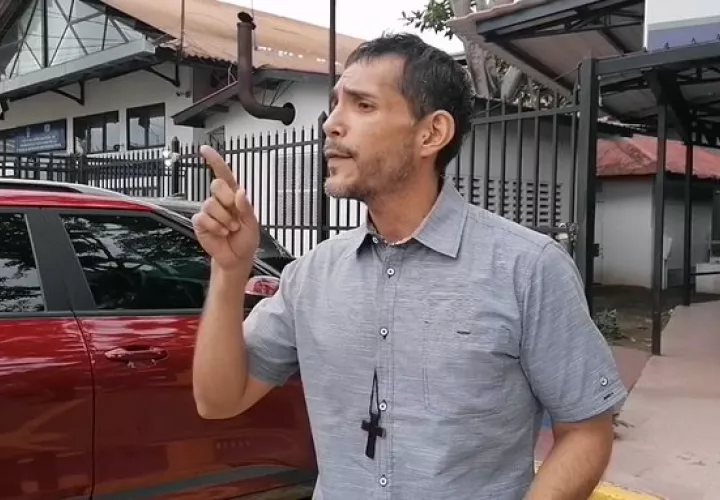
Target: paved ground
{"type": "Point", "coordinates": [630, 363]}
{"type": "Point", "coordinates": [671, 445]}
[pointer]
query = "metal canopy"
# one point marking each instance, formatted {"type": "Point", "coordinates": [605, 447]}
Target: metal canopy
{"type": "Point", "coordinates": [596, 46]}
{"type": "Point", "coordinates": [685, 79]}
{"type": "Point", "coordinates": [139, 53]}
{"type": "Point", "coordinates": [549, 39]}
{"type": "Point", "coordinates": [681, 92]}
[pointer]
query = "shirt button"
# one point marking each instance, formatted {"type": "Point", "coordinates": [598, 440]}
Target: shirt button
{"type": "Point", "coordinates": [383, 406]}
{"type": "Point", "coordinates": [383, 481]}
{"type": "Point", "coordinates": [375, 240]}
{"type": "Point", "coordinates": [390, 271]}
{"type": "Point", "coordinates": [383, 332]}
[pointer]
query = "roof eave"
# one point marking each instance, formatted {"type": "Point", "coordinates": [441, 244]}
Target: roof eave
{"type": "Point", "coordinates": [197, 114]}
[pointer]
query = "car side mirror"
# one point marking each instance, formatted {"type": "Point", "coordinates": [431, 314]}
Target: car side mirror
{"type": "Point", "coordinates": [262, 286]}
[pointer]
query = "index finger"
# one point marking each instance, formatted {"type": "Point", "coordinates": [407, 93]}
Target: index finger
{"type": "Point", "coordinates": [218, 166]}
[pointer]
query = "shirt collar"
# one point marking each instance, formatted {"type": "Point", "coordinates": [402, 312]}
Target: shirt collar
{"type": "Point", "coordinates": [441, 230]}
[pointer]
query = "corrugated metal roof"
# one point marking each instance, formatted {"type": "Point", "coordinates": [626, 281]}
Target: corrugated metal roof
{"type": "Point", "coordinates": [637, 156]}
{"type": "Point", "coordinates": [211, 33]}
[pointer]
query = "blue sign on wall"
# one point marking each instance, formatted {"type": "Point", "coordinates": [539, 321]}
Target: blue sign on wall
{"type": "Point", "coordinates": [41, 137]}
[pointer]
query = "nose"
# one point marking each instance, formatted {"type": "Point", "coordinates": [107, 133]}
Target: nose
{"type": "Point", "coordinates": [333, 125]}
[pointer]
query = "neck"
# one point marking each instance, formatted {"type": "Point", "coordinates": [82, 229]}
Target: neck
{"type": "Point", "coordinates": [398, 214]}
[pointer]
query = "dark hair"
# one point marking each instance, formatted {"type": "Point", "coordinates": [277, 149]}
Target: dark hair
{"type": "Point", "coordinates": [432, 80]}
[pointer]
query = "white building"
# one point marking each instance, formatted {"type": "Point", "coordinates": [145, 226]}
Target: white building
{"type": "Point", "coordinates": [108, 79]}
{"type": "Point", "coordinates": [623, 227]}
{"type": "Point", "coordinates": [625, 170]}
{"type": "Point", "coordinates": [107, 76]}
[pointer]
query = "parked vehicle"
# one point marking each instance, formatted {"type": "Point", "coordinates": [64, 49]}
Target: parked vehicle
{"type": "Point", "coordinates": [269, 250]}
{"type": "Point", "coordinates": [99, 306]}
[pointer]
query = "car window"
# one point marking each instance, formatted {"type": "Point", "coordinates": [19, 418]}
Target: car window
{"type": "Point", "coordinates": [20, 288]}
{"type": "Point", "coordinates": [268, 247]}
{"type": "Point", "coordinates": [137, 262]}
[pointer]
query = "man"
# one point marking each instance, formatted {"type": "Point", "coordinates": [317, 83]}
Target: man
{"type": "Point", "coordinates": [431, 339]}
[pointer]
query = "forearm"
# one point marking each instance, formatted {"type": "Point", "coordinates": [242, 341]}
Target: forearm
{"type": "Point", "coordinates": [573, 468]}
{"type": "Point", "coordinates": [219, 364]}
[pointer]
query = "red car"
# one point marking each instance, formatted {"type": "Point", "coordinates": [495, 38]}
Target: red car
{"type": "Point", "coordinates": [99, 305]}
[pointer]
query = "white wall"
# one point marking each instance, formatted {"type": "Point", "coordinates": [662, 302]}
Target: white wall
{"type": "Point", "coordinates": [309, 98]}
{"type": "Point", "coordinates": [136, 89]}
{"type": "Point", "coordinates": [701, 231]}
{"type": "Point", "coordinates": [140, 88]}
{"type": "Point", "coordinates": [623, 228]}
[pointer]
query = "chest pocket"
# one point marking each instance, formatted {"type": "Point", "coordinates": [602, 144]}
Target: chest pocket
{"type": "Point", "coordinates": [467, 364]}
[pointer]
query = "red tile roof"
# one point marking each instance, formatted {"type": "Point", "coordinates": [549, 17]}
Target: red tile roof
{"type": "Point", "coordinates": [638, 156]}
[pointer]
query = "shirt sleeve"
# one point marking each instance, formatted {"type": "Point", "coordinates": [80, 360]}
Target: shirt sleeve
{"type": "Point", "coordinates": [566, 359]}
{"type": "Point", "coordinates": [270, 334]}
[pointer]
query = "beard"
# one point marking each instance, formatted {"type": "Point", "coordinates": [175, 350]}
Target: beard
{"type": "Point", "coordinates": [378, 175]}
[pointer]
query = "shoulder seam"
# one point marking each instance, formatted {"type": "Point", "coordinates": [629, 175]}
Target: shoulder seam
{"type": "Point", "coordinates": [477, 217]}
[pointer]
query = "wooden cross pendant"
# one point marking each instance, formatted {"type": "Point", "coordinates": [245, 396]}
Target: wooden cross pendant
{"type": "Point", "coordinates": [372, 427]}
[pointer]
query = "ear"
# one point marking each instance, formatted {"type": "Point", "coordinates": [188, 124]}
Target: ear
{"type": "Point", "coordinates": [437, 130]}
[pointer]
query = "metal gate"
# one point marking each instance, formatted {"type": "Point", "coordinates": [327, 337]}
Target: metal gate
{"type": "Point", "coordinates": [520, 161]}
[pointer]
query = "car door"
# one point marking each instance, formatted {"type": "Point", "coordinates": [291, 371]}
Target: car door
{"type": "Point", "coordinates": [138, 283]}
{"type": "Point", "coordinates": [46, 392]}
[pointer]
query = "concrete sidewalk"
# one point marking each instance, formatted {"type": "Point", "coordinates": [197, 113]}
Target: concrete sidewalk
{"type": "Point", "coordinates": [671, 447]}
{"type": "Point", "coordinates": [668, 445]}
{"type": "Point", "coordinates": [631, 363]}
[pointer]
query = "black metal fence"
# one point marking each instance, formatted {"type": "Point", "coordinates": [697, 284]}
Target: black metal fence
{"type": "Point", "coordinates": [519, 162]}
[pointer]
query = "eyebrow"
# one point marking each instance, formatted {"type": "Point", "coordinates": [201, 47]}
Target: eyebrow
{"type": "Point", "coordinates": [354, 93]}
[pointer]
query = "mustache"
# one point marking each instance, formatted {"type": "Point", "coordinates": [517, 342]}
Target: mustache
{"type": "Point", "coordinates": [333, 150]}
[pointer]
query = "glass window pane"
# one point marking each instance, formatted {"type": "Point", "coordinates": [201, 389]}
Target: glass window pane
{"type": "Point", "coordinates": [57, 24]}
{"type": "Point", "coordinates": [91, 33]}
{"type": "Point", "coordinates": [136, 133]}
{"type": "Point", "coordinates": [146, 126]}
{"type": "Point", "coordinates": [138, 263]}
{"type": "Point", "coordinates": [20, 288]}
{"type": "Point", "coordinates": [112, 131]}
{"type": "Point", "coordinates": [95, 136]}
{"type": "Point", "coordinates": [156, 134]}
{"type": "Point", "coordinates": [80, 10]}
{"type": "Point", "coordinates": [68, 50]}
{"type": "Point", "coordinates": [113, 37]}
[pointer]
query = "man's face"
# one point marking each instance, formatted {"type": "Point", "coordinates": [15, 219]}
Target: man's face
{"type": "Point", "coordinates": [371, 134]}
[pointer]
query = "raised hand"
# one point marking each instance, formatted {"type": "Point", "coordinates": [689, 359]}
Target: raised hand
{"type": "Point", "coordinates": [226, 225]}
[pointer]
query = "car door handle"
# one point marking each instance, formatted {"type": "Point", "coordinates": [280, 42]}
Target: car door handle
{"type": "Point", "coordinates": [136, 354]}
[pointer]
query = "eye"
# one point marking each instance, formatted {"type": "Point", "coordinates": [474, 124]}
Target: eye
{"type": "Point", "coordinates": [365, 106]}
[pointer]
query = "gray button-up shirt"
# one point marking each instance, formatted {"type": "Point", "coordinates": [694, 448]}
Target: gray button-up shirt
{"type": "Point", "coordinates": [474, 326]}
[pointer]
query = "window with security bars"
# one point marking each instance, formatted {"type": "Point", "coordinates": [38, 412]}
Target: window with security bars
{"type": "Point", "coordinates": [528, 193]}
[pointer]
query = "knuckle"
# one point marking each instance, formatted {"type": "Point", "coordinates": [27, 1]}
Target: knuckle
{"type": "Point", "coordinates": [206, 206]}
{"type": "Point", "coordinates": [216, 185]}
{"type": "Point", "coordinates": [201, 221]}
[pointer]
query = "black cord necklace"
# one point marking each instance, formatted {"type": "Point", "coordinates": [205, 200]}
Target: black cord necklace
{"type": "Point", "coordinates": [372, 425]}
